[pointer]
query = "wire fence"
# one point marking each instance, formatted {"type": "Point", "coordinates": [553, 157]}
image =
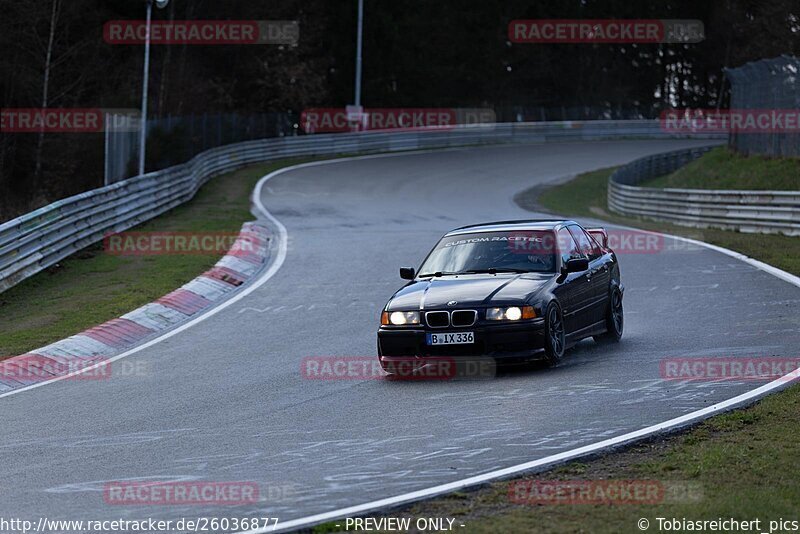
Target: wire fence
{"type": "Point", "coordinates": [768, 84]}
{"type": "Point", "coordinates": [37, 240]}
{"type": "Point", "coordinates": [176, 139]}
{"type": "Point", "coordinates": [173, 140]}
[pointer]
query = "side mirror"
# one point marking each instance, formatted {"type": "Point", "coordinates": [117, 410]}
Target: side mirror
{"type": "Point", "coordinates": [407, 273]}
{"type": "Point", "coordinates": [576, 265]}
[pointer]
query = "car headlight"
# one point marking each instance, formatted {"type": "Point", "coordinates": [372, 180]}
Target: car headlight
{"type": "Point", "coordinates": [512, 313]}
{"type": "Point", "coordinates": [400, 318]}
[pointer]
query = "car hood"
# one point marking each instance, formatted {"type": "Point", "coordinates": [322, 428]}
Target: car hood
{"type": "Point", "coordinates": [476, 290]}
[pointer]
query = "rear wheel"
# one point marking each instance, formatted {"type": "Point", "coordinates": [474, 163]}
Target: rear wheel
{"type": "Point", "coordinates": [554, 334]}
{"type": "Point", "coordinates": [615, 318]}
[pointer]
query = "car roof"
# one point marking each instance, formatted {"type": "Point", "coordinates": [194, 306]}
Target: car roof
{"type": "Point", "coordinates": [507, 226]}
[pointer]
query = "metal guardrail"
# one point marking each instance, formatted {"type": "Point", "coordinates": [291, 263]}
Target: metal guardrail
{"type": "Point", "coordinates": [44, 237]}
{"type": "Point", "coordinates": [770, 212]}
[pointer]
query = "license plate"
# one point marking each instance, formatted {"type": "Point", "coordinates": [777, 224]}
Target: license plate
{"type": "Point", "coordinates": [451, 338]}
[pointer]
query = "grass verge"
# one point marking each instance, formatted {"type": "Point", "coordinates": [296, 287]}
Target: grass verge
{"type": "Point", "coordinates": [586, 195]}
{"type": "Point", "coordinates": [737, 465]}
{"type": "Point", "coordinates": [722, 168]}
{"type": "Point", "coordinates": [91, 287]}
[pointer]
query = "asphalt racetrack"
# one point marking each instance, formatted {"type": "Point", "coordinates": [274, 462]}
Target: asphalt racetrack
{"type": "Point", "coordinates": [225, 400]}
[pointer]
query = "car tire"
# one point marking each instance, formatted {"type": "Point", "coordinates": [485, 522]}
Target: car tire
{"type": "Point", "coordinates": [554, 343]}
{"type": "Point", "coordinates": [615, 318]}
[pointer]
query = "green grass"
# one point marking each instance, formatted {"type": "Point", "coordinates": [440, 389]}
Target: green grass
{"type": "Point", "coordinates": [92, 287]}
{"type": "Point", "coordinates": [741, 465]}
{"type": "Point", "coordinates": [586, 196]}
{"type": "Point", "coordinates": [580, 197]}
{"type": "Point", "coordinates": [721, 168]}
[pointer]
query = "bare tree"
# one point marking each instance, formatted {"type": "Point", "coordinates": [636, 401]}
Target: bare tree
{"type": "Point", "coordinates": [46, 81]}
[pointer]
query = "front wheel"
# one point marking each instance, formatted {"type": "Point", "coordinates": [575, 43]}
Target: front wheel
{"type": "Point", "coordinates": [554, 334]}
{"type": "Point", "coordinates": [615, 318]}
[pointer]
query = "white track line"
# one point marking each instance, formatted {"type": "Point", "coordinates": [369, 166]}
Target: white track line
{"type": "Point", "coordinates": [565, 456]}
{"type": "Point", "coordinates": [283, 237]}
{"type": "Point", "coordinates": [548, 461]}
{"type": "Point", "coordinates": [774, 271]}
{"type": "Point", "coordinates": [486, 477]}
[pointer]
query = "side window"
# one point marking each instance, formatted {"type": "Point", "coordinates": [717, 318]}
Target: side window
{"type": "Point", "coordinates": [567, 246]}
{"type": "Point", "coordinates": [597, 251]}
{"type": "Point", "coordinates": [585, 243]}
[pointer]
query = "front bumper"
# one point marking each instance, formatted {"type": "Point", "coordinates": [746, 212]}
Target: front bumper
{"type": "Point", "coordinates": [503, 341]}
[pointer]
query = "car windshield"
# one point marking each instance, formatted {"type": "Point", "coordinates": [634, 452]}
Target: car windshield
{"type": "Point", "coordinates": [489, 252]}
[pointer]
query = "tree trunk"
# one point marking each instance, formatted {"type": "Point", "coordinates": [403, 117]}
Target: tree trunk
{"type": "Point", "coordinates": [46, 85]}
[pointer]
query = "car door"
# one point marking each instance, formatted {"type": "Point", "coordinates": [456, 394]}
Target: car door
{"type": "Point", "coordinates": [577, 287]}
{"type": "Point", "coordinates": [598, 273]}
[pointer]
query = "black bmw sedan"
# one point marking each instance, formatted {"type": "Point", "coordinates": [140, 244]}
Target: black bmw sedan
{"type": "Point", "coordinates": [514, 290]}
